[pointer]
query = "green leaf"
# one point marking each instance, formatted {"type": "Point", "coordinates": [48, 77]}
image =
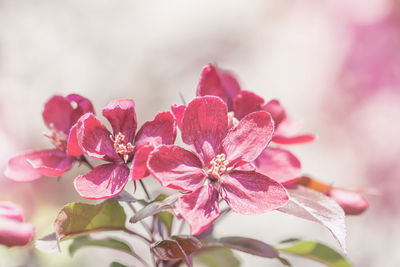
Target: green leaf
{"type": "Point", "coordinates": [155, 207]}
{"type": "Point", "coordinates": [167, 219]}
{"type": "Point", "coordinates": [315, 251]}
{"type": "Point", "coordinates": [85, 241]}
{"type": "Point", "coordinates": [117, 264]}
{"type": "Point", "coordinates": [215, 257]}
{"type": "Point", "coordinates": [78, 218]}
{"type": "Point", "coordinates": [248, 245]}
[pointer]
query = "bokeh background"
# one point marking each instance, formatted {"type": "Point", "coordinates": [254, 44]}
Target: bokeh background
{"type": "Point", "coordinates": [335, 65]}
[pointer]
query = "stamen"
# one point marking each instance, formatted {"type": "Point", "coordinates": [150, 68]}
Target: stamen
{"type": "Point", "coordinates": [219, 166]}
{"type": "Point", "coordinates": [232, 121]}
{"type": "Point", "coordinates": [58, 138]}
{"type": "Point", "coordinates": [122, 148]}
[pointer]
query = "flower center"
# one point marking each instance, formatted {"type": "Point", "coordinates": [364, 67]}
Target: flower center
{"type": "Point", "coordinates": [218, 166]}
{"type": "Point", "coordinates": [58, 138]}
{"type": "Point", "coordinates": [122, 148]}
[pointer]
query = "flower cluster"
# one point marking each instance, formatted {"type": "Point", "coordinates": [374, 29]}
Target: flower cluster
{"type": "Point", "coordinates": [234, 152]}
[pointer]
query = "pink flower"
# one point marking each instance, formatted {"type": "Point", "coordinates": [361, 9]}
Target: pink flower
{"type": "Point", "coordinates": [214, 81]}
{"type": "Point", "coordinates": [119, 148]}
{"type": "Point", "coordinates": [59, 115]}
{"type": "Point", "coordinates": [13, 231]}
{"type": "Point", "coordinates": [216, 165]}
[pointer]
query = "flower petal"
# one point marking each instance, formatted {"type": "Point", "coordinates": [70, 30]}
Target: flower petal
{"type": "Point", "coordinates": [178, 111]}
{"type": "Point", "coordinates": [83, 106]}
{"type": "Point", "coordinates": [20, 170]}
{"type": "Point", "coordinates": [11, 211]}
{"type": "Point", "coordinates": [161, 130]}
{"type": "Point", "coordinates": [104, 181]}
{"type": "Point", "coordinates": [245, 103]}
{"type": "Point", "coordinates": [139, 163]}
{"type": "Point", "coordinates": [217, 82]}
{"type": "Point", "coordinates": [51, 162]}
{"type": "Point", "coordinates": [176, 168]}
{"type": "Point", "coordinates": [58, 112]}
{"type": "Point", "coordinates": [279, 164]}
{"type": "Point", "coordinates": [204, 125]}
{"type": "Point", "coordinates": [73, 148]}
{"type": "Point", "coordinates": [249, 138]}
{"type": "Point", "coordinates": [199, 208]}
{"type": "Point", "coordinates": [251, 192]}
{"type": "Point", "coordinates": [122, 117]}
{"type": "Point", "coordinates": [351, 202]}
{"type": "Point", "coordinates": [276, 110]}
{"type": "Point", "coordinates": [94, 138]}
{"type": "Point", "coordinates": [287, 133]}
{"type": "Point", "coordinates": [14, 233]}
{"type": "Point", "coordinates": [293, 140]}
{"type": "Point", "coordinates": [33, 165]}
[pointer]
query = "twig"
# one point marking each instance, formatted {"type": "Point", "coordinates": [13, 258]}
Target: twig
{"type": "Point", "coordinates": [144, 189]}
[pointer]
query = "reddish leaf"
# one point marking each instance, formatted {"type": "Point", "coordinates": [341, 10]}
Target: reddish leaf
{"type": "Point", "coordinates": [314, 206]}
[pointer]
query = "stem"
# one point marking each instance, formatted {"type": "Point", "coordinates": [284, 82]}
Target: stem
{"type": "Point", "coordinates": [182, 98]}
{"type": "Point", "coordinates": [144, 189]}
{"type": "Point", "coordinates": [145, 226]}
{"type": "Point", "coordinates": [138, 235]}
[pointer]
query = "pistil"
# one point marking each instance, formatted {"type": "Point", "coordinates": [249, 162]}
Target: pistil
{"type": "Point", "coordinates": [57, 138]}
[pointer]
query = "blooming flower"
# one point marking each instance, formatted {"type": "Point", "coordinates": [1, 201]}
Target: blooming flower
{"type": "Point", "coordinates": [277, 163]}
{"type": "Point", "coordinates": [60, 116]}
{"type": "Point", "coordinates": [13, 231]}
{"type": "Point", "coordinates": [214, 168]}
{"type": "Point", "coordinates": [119, 148]}
{"type": "Point", "coordinates": [214, 81]}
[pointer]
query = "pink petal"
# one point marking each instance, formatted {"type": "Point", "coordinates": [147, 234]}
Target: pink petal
{"type": "Point", "coordinates": [104, 181]}
{"type": "Point", "coordinates": [161, 130]}
{"type": "Point", "coordinates": [58, 111]}
{"type": "Point", "coordinates": [33, 165]}
{"type": "Point", "coordinates": [245, 103]}
{"type": "Point", "coordinates": [14, 233]}
{"type": "Point", "coordinates": [249, 138]}
{"type": "Point", "coordinates": [83, 106]}
{"type": "Point", "coordinates": [122, 117]}
{"type": "Point", "coordinates": [11, 211]}
{"type": "Point", "coordinates": [20, 170]}
{"type": "Point", "coordinates": [199, 208]}
{"type": "Point", "coordinates": [217, 82]}
{"type": "Point", "coordinates": [276, 110]}
{"type": "Point", "coordinates": [94, 139]}
{"type": "Point", "coordinates": [279, 164]}
{"type": "Point", "coordinates": [176, 168]}
{"type": "Point", "coordinates": [251, 192]}
{"type": "Point", "coordinates": [351, 202]}
{"type": "Point", "coordinates": [73, 148]}
{"type": "Point", "coordinates": [139, 163]}
{"type": "Point", "coordinates": [51, 162]}
{"type": "Point", "coordinates": [293, 140]}
{"type": "Point", "coordinates": [287, 133]}
{"type": "Point", "coordinates": [204, 125]}
{"type": "Point", "coordinates": [178, 111]}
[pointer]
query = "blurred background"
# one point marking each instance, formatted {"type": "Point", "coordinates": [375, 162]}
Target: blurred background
{"type": "Point", "coordinates": [334, 65]}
